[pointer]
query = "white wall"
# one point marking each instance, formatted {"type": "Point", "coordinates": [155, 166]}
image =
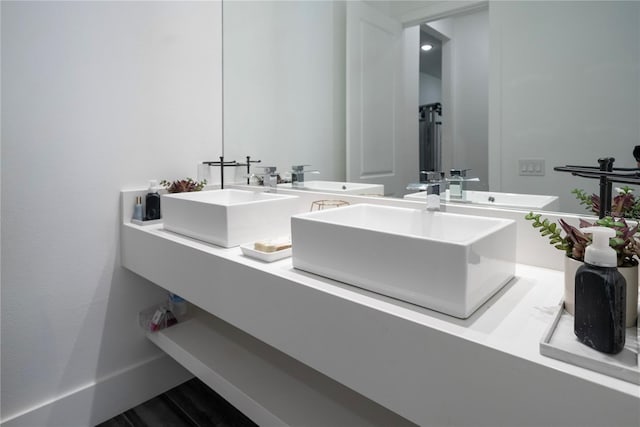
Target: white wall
{"type": "Point", "coordinates": [565, 112]}
{"type": "Point", "coordinates": [97, 96]}
{"type": "Point", "coordinates": [279, 110]}
{"type": "Point", "coordinates": [430, 89]}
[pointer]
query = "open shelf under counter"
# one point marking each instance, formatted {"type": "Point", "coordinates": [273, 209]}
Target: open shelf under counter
{"type": "Point", "coordinates": [268, 386]}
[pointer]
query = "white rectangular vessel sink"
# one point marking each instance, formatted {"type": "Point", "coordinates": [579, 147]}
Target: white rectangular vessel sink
{"type": "Point", "coordinates": [228, 217]}
{"type": "Point", "coordinates": [446, 262]}
{"type": "Point", "coordinates": [337, 187]}
{"type": "Point", "coordinates": [501, 200]}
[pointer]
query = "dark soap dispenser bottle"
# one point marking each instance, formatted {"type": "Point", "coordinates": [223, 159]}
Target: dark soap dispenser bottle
{"type": "Point", "coordinates": [152, 202]}
{"type": "Point", "coordinates": [600, 295]}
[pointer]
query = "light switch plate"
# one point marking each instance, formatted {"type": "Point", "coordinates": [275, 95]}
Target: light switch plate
{"type": "Point", "coordinates": [531, 167]}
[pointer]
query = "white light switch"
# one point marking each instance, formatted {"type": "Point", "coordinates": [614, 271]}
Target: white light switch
{"type": "Point", "coordinates": [531, 167]}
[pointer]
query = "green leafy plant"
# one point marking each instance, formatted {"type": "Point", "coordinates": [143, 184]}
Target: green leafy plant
{"type": "Point", "coordinates": [183, 185]}
{"type": "Point", "coordinates": [574, 242]}
{"type": "Point", "coordinates": [623, 205]}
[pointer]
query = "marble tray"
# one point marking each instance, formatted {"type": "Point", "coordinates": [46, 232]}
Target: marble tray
{"type": "Point", "coordinates": [559, 342]}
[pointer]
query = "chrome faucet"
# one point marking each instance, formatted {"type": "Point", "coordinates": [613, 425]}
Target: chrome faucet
{"type": "Point", "coordinates": [458, 184]}
{"type": "Point", "coordinates": [297, 175]}
{"type": "Point", "coordinates": [433, 186]}
{"type": "Point", "coordinates": [269, 178]}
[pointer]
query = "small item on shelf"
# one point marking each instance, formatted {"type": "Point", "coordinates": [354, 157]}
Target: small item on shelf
{"type": "Point", "coordinates": [171, 318]}
{"type": "Point", "coordinates": [273, 245]}
{"type": "Point", "coordinates": [137, 209]}
{"type": "Point", "coordinates": [157, 319]}
{"type": "Point", "coordinates": [152, 201]}
{"type": "Point", "coordinates": [600, 296]}
{"type": "Point", "coordinates": [162, 318]}
{"type": "Point", "coordinates": [177, 305]}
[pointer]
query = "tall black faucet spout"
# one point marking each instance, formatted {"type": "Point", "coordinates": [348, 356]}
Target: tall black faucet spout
{"type": "Point", "coordinates": [606, 165]}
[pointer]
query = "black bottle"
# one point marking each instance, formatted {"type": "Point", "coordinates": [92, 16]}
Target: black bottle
{"type": "Point", "coordinates": [600, 296]}
{"type": "Point", "coordinates": [152, 202]}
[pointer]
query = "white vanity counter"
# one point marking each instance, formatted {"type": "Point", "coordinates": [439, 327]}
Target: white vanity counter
{"type": "Point", "coordinates": [430, 368]}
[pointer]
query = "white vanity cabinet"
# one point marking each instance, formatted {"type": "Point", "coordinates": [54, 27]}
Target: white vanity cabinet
{"type": "Point", "coordinates": [272, 339]}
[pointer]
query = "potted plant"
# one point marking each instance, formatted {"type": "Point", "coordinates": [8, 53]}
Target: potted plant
{"type": "Point", "coordinates": [624, 204]}
{"type": "Point", "coordinates": [183, 185]}
{"type": "Point", "coordinates": [574, 242]}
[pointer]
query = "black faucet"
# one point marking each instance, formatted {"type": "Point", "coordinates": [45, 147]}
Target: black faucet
{"type": "Point", "coordinates": [222, 165]}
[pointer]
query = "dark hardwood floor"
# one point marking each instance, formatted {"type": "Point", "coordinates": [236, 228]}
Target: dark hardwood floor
{"type": "Point", "coordinates": [190, 404]}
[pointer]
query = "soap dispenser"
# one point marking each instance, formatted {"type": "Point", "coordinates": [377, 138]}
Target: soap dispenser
{"type": "Point", "coordinates": [152, 202]}
{"type": "Point", "coordinates": [600, 292]}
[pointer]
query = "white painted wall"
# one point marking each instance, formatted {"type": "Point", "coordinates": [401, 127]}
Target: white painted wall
{"type": "Point", "coordinates": [564, 111]}
{"type": "Point", "coordinates": [285, 84]}
{"type": "Point", "coordinates": [430, 89]}
{"type": "Point", "coordinates": [96, 96]}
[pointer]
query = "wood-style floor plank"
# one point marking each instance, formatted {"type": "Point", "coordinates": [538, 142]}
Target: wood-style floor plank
{"type": "Point", "coordinates": [191, 404]}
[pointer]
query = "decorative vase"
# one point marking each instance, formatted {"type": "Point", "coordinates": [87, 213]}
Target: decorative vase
{"type": "Point", "coordinates": [570, 267]}
{"type": "Point", "coordinates": [630, 275]}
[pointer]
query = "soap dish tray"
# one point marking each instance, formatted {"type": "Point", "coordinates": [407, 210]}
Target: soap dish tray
{"type": "Point", "coordinates": [146, 222]}
{"type": "Point", "coordinates": [559, 342]}
{"type": "Point", "coordinates": [248, 250]}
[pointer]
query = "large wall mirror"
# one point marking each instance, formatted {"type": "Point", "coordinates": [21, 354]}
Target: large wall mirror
{"type": "Point", "coordinates": [338, 85]}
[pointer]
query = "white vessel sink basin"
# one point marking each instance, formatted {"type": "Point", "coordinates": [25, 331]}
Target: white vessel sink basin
{"type": "Point", "coordinates": [228, 217]}
{"type": "Point", "coordinates": [337, 187]}
{"type": "Point", "coordinates": [504, 200]}
{"type": "Point", "coordinates": [446, 262]}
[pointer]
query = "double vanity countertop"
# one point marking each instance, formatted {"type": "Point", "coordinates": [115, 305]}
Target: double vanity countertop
{"type": "Point", "coordinates": [424, 365]}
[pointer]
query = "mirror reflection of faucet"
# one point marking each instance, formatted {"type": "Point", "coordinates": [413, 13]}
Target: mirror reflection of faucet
{"type": "Point", "coordinates": [297, 175]}
{"type": "Point", "coordinates": [458, 184]}
{"type": "Point", "coordinates": [268, 178]}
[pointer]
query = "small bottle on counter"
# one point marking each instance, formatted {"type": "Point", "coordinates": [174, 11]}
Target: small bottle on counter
{"type": "Point", "coordinates": [137, 209]}
{"type": "Point", "coordinates": [152, 201]}
{"type": "Point", "coordinates": [600, 296]}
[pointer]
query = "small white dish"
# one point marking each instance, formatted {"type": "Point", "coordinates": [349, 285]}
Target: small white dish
{"type": "Point", "coordinates": [248, 250]}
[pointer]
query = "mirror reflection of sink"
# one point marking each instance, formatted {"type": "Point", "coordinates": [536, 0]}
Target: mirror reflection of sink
{"type": "Point", "coordinates": [354, 188]}
{"type": "Point", "coordinates": [503, 200]}
{"type": "Point", "coordinates": [228, 217]}
{"type": "Point", "coordinates": [446, 262]}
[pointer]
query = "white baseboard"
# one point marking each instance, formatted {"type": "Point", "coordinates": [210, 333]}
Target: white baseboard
{"type": "Point", "coordinates": [106, 397]}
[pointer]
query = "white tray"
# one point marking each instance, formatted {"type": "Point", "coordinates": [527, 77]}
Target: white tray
{"type": "Point", "coordinates": [249, 251]}
{"type": "Point", "coordinates": [559, 342]}
{"type": "Point", "coordinates": [146, 222]}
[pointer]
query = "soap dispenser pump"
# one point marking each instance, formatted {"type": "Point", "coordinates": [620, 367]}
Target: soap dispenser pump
{"type": "Point", "coordinates": [152, 202]}
{"type": "Point", "coordinates": [600, 292]}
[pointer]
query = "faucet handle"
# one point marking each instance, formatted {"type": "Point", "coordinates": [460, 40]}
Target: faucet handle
{"type": "Point", "coordinates": [461, 175]}
{"type": "Point", "coordinates": [459, 172]}
{"type": "Point", "coordinates": [299, 169]}
{"type": "Point", "coordinates": [433, 175]}
{"type": "Point", "coordinates": [268, 170]}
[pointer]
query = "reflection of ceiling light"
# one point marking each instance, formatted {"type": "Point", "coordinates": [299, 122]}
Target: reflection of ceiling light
{"type": "Point", "coordinates": [426, 47]}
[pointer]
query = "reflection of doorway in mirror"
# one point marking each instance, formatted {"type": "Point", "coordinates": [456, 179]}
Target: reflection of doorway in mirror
{"type": "Point", "coordinates": [456, 70]}
{"type": "Point", "coordinates": [430, 102]}
{"type": "Point", "coordinates": [383, 91]}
